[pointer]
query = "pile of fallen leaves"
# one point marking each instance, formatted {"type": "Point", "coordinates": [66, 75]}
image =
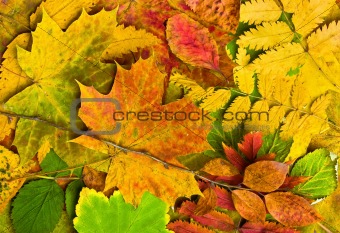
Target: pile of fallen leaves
{"type": "Point", "coordinates": [69, 68]}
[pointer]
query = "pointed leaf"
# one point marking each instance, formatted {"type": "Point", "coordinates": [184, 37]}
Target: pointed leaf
{"type": "Point", "coordinates": [251, 144]}
{"type": "Point", "coordinates": [235, 158]}
{"type": "Point", "coordinates": [224, 199]}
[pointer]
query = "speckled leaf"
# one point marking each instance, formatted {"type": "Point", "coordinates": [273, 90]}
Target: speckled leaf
{"type": "Point", "coordinates": [291, 210]}
{"type": "Point", "coordinates": [192, 42]}
{"type": "Point", "coordinates": [249, 205]}
{"type": "Point", "coordinates": [265, 176]}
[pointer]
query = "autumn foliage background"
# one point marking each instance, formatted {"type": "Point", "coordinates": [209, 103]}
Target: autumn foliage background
{"type": "Point", "coordinates": [275, 169]}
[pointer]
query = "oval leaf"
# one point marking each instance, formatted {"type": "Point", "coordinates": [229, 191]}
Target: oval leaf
{"type": "Point", "coordinates": [265, 176]}
{"type": "Point", "coordinates": [191, 42]}
{"type": "Point", "coordinates": [291, 210]}
{"type": "Point", "coordinates": [249, 205]}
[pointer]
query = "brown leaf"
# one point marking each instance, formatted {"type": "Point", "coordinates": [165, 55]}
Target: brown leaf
{"type": "Point", "coordinates": [213, 219]}
{"type": "Point", "coordinates": [249, 205]}
{"type": "Point", "coordinates": [292, 181]}
{"type": "Point", "coordinates": [291, 210]}
{"type": "Point", "coordinates": [220, 167]}
{"type": "Point", "coordinates": [265, 227]}
{"type": "Point", "coordinates": [94, 179]}
{"type": "Point", "coordinates": [224, 199]}
{"type": "Point", "coordinates": [186, 227]}
{"type": "Point", "coordinates": [265, 176]}
{"type": "Point", "coordinates": [207, 203]}
{"type": "Point", "coordinates": [235, 158]}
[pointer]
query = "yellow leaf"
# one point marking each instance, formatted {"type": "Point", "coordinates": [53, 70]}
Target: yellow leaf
{"type": "Point", "coordinates": [216, 100]}
{"type": "Point", "coordinates": [128, 40]}
{"type": "Point", "coordinates": [309, 14]}
{"type": "Point", "coordinates": [260, 11]}
{"type": "Point", "coordinates": [12, 77]}
{"type": "Point", "coordinates": [10, 173]}
{"type": "Point", "coordinates": [237, 112]}
{"type": "Point", "coordinates": [129, 173]}
{"type": "Point", "coordinates": [63, 13]}
{"type": "Point", "coordinates": [220, 167]}
{"type": "Point", "coordinates": [266, 36]}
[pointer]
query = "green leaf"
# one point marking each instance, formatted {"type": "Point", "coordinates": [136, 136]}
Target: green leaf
{"type": "Point", "coordinates": [38, 207]}
{"type": "Point", "coordinates": [197, 161]}
{"type": "Point", "coordinates": [64, 225]}
{"type": "Point", "coordinates": [320, 166]}
{"type": "Point", "coordinates": [52, 162]}
{"type": "Point", "coordinates": [116, 216]}
{"type": "Point", "coordinates": [72, 196]}
{"type": "Point", "coordinates": [217, 135]}
{"type": "Point", "coordinates": [273, 144]}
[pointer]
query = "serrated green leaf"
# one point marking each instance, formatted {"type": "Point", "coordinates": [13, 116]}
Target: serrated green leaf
{"type": "Point", "coordinates": [273, 144]}
{"type": "Point", "coordinates": [38, 207]}
{"type": "Point", "coordinates": [72, 196]}
{"type": "Point", "coordinates": [116, 216]}
{"type": "Point", "coordinates": [321, 168]}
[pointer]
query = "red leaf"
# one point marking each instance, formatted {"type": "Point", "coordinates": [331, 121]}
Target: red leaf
{"type": "Point", "coordinates": [192, 42]}
{"type": "Point", "coordinates": [186, 227]}
{"type": "Point", "coordinates": [232, 180]}
{"type": "Point", "coordinates": [224, 199]}
{"type": "Point", "coordinates": [213, 219]}
{"type": "Point", "coordinates": [251, 145]}
{"type": "Point", "coordinates": [292, 181]}
{"type": "Point", "coordinates": [235, 158]}
{"type": "Point", "coordinates": [266, 227]}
